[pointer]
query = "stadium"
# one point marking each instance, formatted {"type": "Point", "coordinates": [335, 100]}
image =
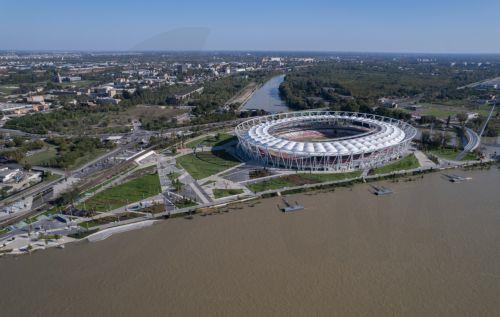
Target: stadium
{"type": "Point", "coordinates": [323, 140]}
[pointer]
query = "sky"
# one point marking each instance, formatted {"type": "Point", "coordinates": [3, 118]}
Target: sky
{"type": "Point", "coordinates": [419, 26]}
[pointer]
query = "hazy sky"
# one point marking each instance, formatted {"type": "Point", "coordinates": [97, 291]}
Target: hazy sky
{"type": "Point", "coordinates": [442, 26]}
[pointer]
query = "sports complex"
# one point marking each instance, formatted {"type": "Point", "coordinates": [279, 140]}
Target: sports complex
{"type": "Point", "coordinates": [324, 140]}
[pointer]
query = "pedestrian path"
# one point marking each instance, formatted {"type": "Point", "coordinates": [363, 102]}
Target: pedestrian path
{"type": "Point", "coordinates": [424, 161]}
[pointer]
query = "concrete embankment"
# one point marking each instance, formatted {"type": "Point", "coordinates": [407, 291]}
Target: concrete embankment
{"type": "Point", "coordinates": [106, 233]}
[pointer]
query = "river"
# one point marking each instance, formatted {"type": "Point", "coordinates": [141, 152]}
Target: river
{"type": "Point", "coordinates": [268, 97]}
{"type": "Point", "coordinates": [430, 249]}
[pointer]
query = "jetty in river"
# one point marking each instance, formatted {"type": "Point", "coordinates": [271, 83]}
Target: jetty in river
{"type": "Point", "coordinates": [291, 207]}
{"type": "Point", "coordinates": [381, 191]}
{"type": "Point", "coordinates": [456, 178]}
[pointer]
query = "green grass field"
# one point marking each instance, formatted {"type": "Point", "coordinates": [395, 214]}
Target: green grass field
{"type": "Point", "coordinates": [300, 179]}
{"type": "Point", "coordinates": [273, 183]}
{"type": "Point", "coordinates": [451, 109]}
{"type": "Point", "coordinates": [184, 203]}
{"type": "Point", "coordinates": [219, 193]}
{"type": "Point", "coordinates": [451, 154]}
{"type": "Point", "coordinates": [440, 111]}
{"type": "Point", "coordinates": [87, 158]}
{"type": "Point", "coordinates": [8, 89]}
{"type": "Point", "coordinates": [204, 164]}
{"type": "Point", "coordinates": [406, 163]}
{"type": "Point", "coordinates": [44, 157]}
{"type": "Point", "coordinates": [212, 140]}
{"type": "Point", "coordinates": [40, 158]}
{"type": "Point", "coordinates": [121, 195]}
{"type": "Point", "coordinates": [321, 178]}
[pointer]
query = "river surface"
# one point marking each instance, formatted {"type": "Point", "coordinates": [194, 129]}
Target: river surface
{"type": "Point", "coordinates": [268, 97]}
{"type": "Point", "coordinates": [430, 249]}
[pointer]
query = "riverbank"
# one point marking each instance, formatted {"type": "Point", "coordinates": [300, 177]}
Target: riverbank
{"type": "Point", "coordinates": [428, 249]}
{"type": "Point", "coordinates": [267, 97]}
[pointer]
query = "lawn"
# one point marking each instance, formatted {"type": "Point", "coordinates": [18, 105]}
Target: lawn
{"type": "Point", "coordinates": [321, 178]}
{"type": "Point", "coordinates": [173, 175]}
{"type": "Point", "coordinates": [211, 140]}
{"type": "Point", "coordinates": [301, 179]}
{"type": "Point", "coordinates": [204, 164]}
{"type": "Point", "coordinates": [219, 193]}
{"type": "Point", "coordinates": [406, 163]}
{"type": "Point", "coordinates": [451, 154]}
{"type": "Point", "coordinates": [98, 186]}
{"type": "Point", "coordinates": [87, 158]}
{"type": "Point", "coordinates": [46, 157]}
{"type": "Point", "coordinates": [451, 109]}
{"type": "Point", "coordinates": [184, 203]}
{"type": "Point", "coordinates": [8, 89]}
{"type": "Point", "coordinates": [41, 157]}
{"type": "Point", "coordinates": [126, 193]}
{"type": "Point", "coordinates": [273, 183]}
{"type": "Point", "coordinates": [440, 111]}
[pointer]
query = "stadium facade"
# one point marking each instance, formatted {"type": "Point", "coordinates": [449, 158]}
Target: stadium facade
{"type": "Point", "coordinates": [324, 140]}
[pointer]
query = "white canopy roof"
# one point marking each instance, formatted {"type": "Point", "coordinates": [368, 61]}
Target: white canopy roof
{"type": "Point", "coordinates": [387, 135]}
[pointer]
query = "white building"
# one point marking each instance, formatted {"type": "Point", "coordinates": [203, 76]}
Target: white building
{"type": "Point", "coordinates": [7, 174]}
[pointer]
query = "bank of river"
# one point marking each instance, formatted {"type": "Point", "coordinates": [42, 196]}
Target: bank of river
{"type": "Point", "coordinates": [430, 249]}
{"type": "Point", "coordinates": [268, 97]}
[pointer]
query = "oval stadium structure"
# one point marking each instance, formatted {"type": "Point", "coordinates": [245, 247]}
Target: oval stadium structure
{"type": "Point", "coordinates": [324, 140]}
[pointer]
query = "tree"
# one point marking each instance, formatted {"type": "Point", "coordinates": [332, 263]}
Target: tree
{"type": "Point", "coordinates": [27, 166]}
{"type": "Point", "coordinates": [18, 141]}
{"type": "Point", "coordinates": [176, 183]}
{"type": "Point", "coordinates": [69, 196]}
{"type": "Point", "coordinates": [16, 155]}
{"type": "Point", "coordinates": [462, 118]}
{"type": "Point", "coordinates": [445, 139]}
{"type": "Point", "coordinates": [426, 138]}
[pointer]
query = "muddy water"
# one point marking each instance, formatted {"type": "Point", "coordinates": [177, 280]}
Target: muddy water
{"type": "Point", "coordinates": [430, 249]}
{"type": "Point", "coordinates": [268, 97]}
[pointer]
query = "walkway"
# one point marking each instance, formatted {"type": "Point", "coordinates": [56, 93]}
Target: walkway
{"type": "Point", "coordinates": [424, 161]}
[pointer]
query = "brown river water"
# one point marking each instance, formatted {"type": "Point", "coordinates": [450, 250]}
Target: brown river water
{"type": "Point", "coordinates": [430, 249]}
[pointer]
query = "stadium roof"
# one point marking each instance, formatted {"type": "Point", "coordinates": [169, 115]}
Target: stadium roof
{"type": "Point", "coordinates": [387, 134]}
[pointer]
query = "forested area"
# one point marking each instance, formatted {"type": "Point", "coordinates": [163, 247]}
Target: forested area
{"type": "Point", "coordinates": [354, 83]}
{"type": "Point", "coordinates": [356, 86]}
{"type": "Point", "coordinates": [72, 150]}
{"type": "Point", "coordinates": [66, 153]}
{"type": "Point", "coordinates": [65, 120]}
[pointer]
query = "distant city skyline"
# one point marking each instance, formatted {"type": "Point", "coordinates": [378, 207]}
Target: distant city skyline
{"type": "Point", "coordinates": [315, 25]}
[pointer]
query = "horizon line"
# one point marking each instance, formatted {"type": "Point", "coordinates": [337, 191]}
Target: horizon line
{"type": "Point", "coordinates": [243, 51]}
